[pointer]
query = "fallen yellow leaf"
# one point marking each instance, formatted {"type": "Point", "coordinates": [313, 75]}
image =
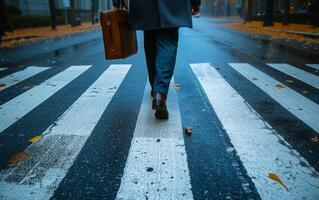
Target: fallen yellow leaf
{"type": "Point", "coordinates": [2, 84]}
{"type": "Point", "coordinates": [255, 79]}
{"type": "Point", "coordinates": [280, 86]}
{"type": "Point", "coordinates": [35, 139]}
{"type": "Point", "coordinates": [276, 178]}
{"type": "Point", "coordinates": [18, 157]}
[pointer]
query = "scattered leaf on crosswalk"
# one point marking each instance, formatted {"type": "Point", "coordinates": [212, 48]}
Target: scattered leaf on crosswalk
{"type": "Point", "coordinates": [2, 85]}
{"type": "Point", "coordinates": [280, 86]}
{"type": "Point", "coordinates": [255, 79]}
{"type": "Point", "coordinates": [289, 81]}
{"type": "Point", "coordinates": [26, 87]}
{"type": "Point", "coordinates": [17, 158]}
{"type": "Point", "coordinates": [16, 80]}
{"type": "Point", "coordinates": [315, 139]}
{"type": "Point", "coordinates": [276, 178]}
{"type": "Point", "coordinates": [176, 86]}
{"type": "Point", "coordinates": [35, 139]}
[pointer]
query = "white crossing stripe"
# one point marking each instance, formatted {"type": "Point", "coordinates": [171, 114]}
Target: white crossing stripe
{"type": "Point", "coordinates": [315, 66]}
{"type": "Point", "coordinates": [299, 74]}
{"type": "Point", "coordinates": [16, 108]}
{"type": "Point", "coordinates": [20, 76]}
{"type": "Point", "coordinates": [261, 149]}
{"type": "Point", "coordinates": [51, 157]}
{"type": "Point", "coordinates": [303, 108]}
{"type": "Point", "coordinates": [156, 167]}
{"type": "Point", "coordinates": [2, 69]}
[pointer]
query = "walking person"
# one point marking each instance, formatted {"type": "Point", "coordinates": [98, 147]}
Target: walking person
{"type": "Point", "coordinates": [160, 20]}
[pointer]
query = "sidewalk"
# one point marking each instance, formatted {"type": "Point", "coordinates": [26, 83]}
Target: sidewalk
{"type": "Point", "coordinates": [21, 36]}
{"type": "Point", "coordinates": [296, 37]}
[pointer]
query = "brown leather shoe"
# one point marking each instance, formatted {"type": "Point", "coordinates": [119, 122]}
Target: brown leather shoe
{"type": "Point", "coordinates": [160, 106]}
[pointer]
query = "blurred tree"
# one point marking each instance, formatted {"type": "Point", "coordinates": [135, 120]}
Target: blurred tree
{"type": "Point", "coordinates": [3, 19]}
{"type": "Point", "coordinates": [316, 18]}
{"type": "Point", "coordinates": [243, 10]}
{"type": "Point", "coordinates": [269, 15]}
{"type": "Point", "coordinates": [247, 9]}
{"type": "Point", "coordinates": [72, 13]}
{"type": "Point", "coordinates": [285, 19]}
{"type": "Point", "coordinates": [249, 12]}
{"type": "Point", "coordinates": [53, 15]}
{"type": "Point", "coordinates": [228, 8]}
{"type": "Point", "coordinates": [93, 11]}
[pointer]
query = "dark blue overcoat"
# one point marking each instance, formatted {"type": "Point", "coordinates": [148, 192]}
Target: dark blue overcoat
{"type": "Point", "coordinates": [158, 14]}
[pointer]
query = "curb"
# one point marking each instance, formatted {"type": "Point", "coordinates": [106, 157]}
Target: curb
{"type": "Point", "coordinates": [294, 47]}
{"type": "Point", "coordinates": [297, 48]}
{"type": "Point", "coordinates": [39, 40]}
{"type": "Point", "coordinates": [305, 34]}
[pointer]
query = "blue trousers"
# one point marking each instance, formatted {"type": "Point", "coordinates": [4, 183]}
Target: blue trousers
{"type": "Point", "coordinates": [160, 50]}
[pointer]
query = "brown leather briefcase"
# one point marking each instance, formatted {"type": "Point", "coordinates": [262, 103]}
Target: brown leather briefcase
{"type": "Point", "coordinates": [119, 39]}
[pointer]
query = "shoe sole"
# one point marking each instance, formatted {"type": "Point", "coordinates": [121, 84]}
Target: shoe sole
{"type": "Point", "coordinates": [160, 113]}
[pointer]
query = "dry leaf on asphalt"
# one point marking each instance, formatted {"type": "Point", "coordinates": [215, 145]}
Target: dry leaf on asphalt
{"type": "Point", "coordinates": [26, 87]}
{"type": "Point", "coordinates": [176, 86]}
{"type": "Point", "coordinates": [305, 92]}
{"type": "Point", "coordinates": [280, 86]}
{"type": "Point", "coordinates": [276, 178]}
{"type": "Point", "coordinates": [289, 81]}
{"type": "Point", "coordinates": [35, 139]}
{"type": "Point", "coordinates": [188, 130]}
{"type": "Point", "coordinates": [315, 139]}
{"type": "Point", "coordinates": [17, 158]}
{"type": "Point", "coordinates": [2, 84]}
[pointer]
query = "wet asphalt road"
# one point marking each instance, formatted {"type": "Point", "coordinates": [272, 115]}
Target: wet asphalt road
{"type": "Point", "coordinates": [214, 172]}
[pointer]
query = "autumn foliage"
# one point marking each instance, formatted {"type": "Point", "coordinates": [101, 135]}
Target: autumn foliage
{"type": "Point", "coordinates": [278, 31]}
{"type": "Point", "coordinates": [20, 36]}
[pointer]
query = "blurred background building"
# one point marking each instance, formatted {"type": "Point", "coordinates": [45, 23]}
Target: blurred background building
{"type": "Point", "coordinates": [41, 7]}
{"type": "Point", "coordinates": [25, 13]}
{"type": "Point", "coordinates": [300, 11]}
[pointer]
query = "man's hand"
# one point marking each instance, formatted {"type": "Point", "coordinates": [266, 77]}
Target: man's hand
{"type": "Point", "coordinates": [195, 9]}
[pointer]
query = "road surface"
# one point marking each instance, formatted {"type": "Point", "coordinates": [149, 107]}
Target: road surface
{"type": "Point", "coordinates": [253, 109]}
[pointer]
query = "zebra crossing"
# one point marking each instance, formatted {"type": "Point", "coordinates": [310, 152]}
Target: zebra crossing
{"type": "Point", "coordinates": [315, 66]}
{"type": "Point", "coordinates": [21, 76]}
{"type": "Point", "coordinates": [299, 74]}
{"type": "Point", "coordinates": [157, 164]}
{"type": "Point", "coordinates": [72, 130]}
{"type": "Point", "coordinates": [13, 110]}
{"type": "Point", "coordinates": [303, 108]}
{"type": "Point", "coordinates": [161, 172]}
{"type": "Point", "coordinates": [251, 132]}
